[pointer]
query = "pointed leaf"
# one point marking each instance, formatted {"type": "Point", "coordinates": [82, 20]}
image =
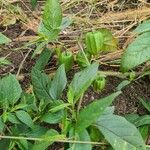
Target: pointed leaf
{"type": "Point", "coordinates": [4, 39]}
{"type": "Point", "coordinates": [92, 112]}
{"type": "Point", "coordinates": [52, 17]}
{"type": "Point", "coordinates": [24, 117]}
{"type": "Point", "coordinates": [40, 82]}
{"type": "Point", "coordinates": [137, 52]}
{"type": "Point", "coordinates": [58, 84]}
{"type": "Point", "coordinates": [121, 134]}
{"type": "Point", "coordinates": [83, 80]}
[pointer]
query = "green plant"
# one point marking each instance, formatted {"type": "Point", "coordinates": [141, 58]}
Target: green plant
{"type": "Point", "coordinates": [24, 116]}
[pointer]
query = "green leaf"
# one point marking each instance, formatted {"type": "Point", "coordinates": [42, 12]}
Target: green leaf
{"type": "Point", "coordinates": [120, 133]}
{"type": "Point", "coordinates": [142, 120]}
{"type": "Point", "coordinates": [82, 80]}
{"type": "Point", "coordinates": [58, 84]}
{"type": "Point", "coordinates": [144, 130]}
{"type": "Point", "coordinates": [22, 144]}
{"type": "Point", "coordinates": [4, 39]}
{"type": "Point", "coordinates": [131, 117]}
{"type": "Point", "coordinates": [4, 143]}
{"type": "Point", "coordinates": [110, 42]}
{"type": "Point", "coordinates": [24, 117]}
{"type": "Point", "coordinates": [83, 136]}
{"type": "Point", "coordinates": [92, 112]}
{"type": "Point", "coordinates": [13, 119]}
{"type": "Point", "coordinates": [44, 144]}
{"type": "Point", "coordinates": [40, 47]}
{"type": "Point", "coordinates": [143, 27]}
{"type": "Point", "coordinates": [10, 90]}
{"type": "Point", "coordinates": [52, 118]}
{"type": "Point", "coordinates": [52, 17]}
{"type": "Point", "coordinates": [4, 61]}
{"type": "Point", "coordinates": [40, 82]}
{"type": "Point", "coordinates": [43, 59]}
{"type": "Point", "coordinates": [66, 22]}
{"type": "Point", "coordinates": [146, 105]}
{"type": "Point", "coordinates": [2, 125]}
{"type": "Point", "coordinates": [122, 85]}
{"type": "Point", "coordinates": [48, 35]}
{"type": "Point", "coordinates": [137, 52]}
{"type": "Point", "coordinates": [59, 107]}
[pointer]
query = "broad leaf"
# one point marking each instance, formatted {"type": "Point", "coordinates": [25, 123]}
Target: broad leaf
{"type": "Point", "coordinates": [83, 80]}
{"type": "Point", "coordinates": [83, 136]}
{"type": "Point", "coordinates": [137, 52]}
{"type": "Point", "coordinates": [120, 133]}
{"type": "Point", "coordinates": [40, 82]}
{"type": "Point", "coordinates": [10, 90]}
{"type": "Point", "coordinates": [4, 39]}
{"type": "Point", "coordinates": [24, 117]}
{"type": "Point", "coordinates": [92, 112]}
{"type": "Point", "coordinates": [52, 17]}
{"type": "Point", "coordinates": [58, 84]}
{"type": "Point", "coordinates": [43, 59]}
{"type": "Point", "coordinates": [143, 27]}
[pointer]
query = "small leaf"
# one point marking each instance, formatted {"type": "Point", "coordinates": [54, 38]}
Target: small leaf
{"type": "Point", "coordinates": [82, 80]}
{"type": "Point", "coordinates": [122, 85]}
{"type": "Point", "coordinates": [13, 119]}
{"type": "Point", "coordinates": [120, 133]}
{"type": "Point", "coordinates": [58, 84]}
{"type": "Point", "coordinates": [52, 17]}
{"type": "Point", "coordinates": [4, 39]}
{"type": "Point", "coordinates": [24, 117]}
{"type": "Point", "coordinates": [92, 112]}
{"type": "Point", "coordinates": [66, 22]}
{"type": "Point", "coordinates": [143, 27]}
{"type": "Point", "coordinates": [40, 82]}
{"type": "Point", "coordinates": [43, 59]}
{"type": "Point", "coordinates": [52, 118]}
{"type": "Point", "coordinates": [40, 47]}
{"type": "Point", "coordinates": [10, 90]}
{"type": "Point", "coordinates": [4, 61]}
{"type": "Point", "coordinates": [137, 52]}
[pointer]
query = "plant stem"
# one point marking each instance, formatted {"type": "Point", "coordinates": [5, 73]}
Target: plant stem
{"type": "Point", "coordinates": [52, 140]}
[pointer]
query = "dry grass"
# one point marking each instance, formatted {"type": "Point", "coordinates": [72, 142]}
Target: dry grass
{"type": "Point", "coordinates": [120, 16]}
